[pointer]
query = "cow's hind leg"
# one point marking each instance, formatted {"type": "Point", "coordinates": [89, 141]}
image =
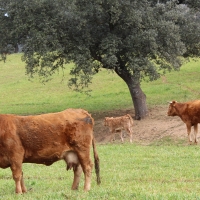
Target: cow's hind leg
{"type": "Point", "coordinates": [72, 161]}
{"type": "Point", "coordinates": [77, 175]}
{"type": "Point", "coordinates": [121, 136]}
{"type": "Point", "coordinates": [87, 169]}
{"type": "Point", "coordinates": [86, 165]}
{"type": "Point", "coordinates": [112, 136]}
{"type": "Point", "coordinates": [195, 133]}
{"type": "Point", "coordinates": [130, 134]}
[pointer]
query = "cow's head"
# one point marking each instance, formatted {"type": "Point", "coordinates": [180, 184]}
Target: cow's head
{"type": "Point", "coordinates": [107, 120]}
{"type": "Point", "coordinates": [172, 108]}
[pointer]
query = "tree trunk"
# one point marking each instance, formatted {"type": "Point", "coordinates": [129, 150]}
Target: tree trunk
{"type": "Point", "coordinates": [139, 101]}
{"type": "Point", "coordinates": [138, 96]}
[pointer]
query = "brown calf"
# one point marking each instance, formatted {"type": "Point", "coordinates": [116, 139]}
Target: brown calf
{"type": "Point", "coordinates": [116, 124]}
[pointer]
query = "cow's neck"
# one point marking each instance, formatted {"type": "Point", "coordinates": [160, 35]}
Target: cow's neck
{"type": "Point", "coordinates": [181, 109]}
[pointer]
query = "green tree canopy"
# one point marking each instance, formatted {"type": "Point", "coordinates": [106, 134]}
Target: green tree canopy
{"type": "Point", "coordinates": [136, 39]}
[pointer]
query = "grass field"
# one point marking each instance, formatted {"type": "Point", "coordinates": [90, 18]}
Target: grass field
{"type": "Point", "coordinates": [128, 171]}
{"type": "Point", "coordinates": [21, 96]}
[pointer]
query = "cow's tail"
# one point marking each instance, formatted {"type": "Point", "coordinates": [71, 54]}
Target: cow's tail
{"type": "Point", "coordinates": [96, 162]}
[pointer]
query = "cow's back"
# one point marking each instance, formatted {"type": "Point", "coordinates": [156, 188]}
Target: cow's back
{"type": "Point", "coordinates": [193, 108]}
{"type": "Point", "coordinates": [121, 122]}
{"type": "Point", "coordinates": [192, 112]}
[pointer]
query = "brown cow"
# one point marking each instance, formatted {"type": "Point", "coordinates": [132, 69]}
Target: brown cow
{"type": "Point", "coordinates": [116, 124]}
{"type": "Point", "coordinates": [47, 138]}
{"type": "Point", "coordinates": [189, 112]}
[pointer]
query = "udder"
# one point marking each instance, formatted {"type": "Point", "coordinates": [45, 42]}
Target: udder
{"type": "Point", "coordinates": [71, 160]}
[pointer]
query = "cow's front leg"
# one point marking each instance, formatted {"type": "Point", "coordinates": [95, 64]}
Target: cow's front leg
{"type": "Point", "coordinates": [131, 138]}
{"type": "Point", "coordinates": [18, 177]}
{"type": "Point", "coordinates": [77, 175]}
{"type": "Point", "coordinates": [189, 133]}
{"type": "Point", "coordinates": [195, 133]}
{"type": "Point", "coordinates": [23, 184]}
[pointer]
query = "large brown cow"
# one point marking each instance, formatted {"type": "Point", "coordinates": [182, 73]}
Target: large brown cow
{"type": "Point", "coordinates": [47, 138]}
{"type": "Point", "coordinates": [116, 124]}
{"type": "Point", "coordinates": [189, 112]}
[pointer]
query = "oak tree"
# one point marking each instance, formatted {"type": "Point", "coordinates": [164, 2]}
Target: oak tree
{"type": "Point", "coordinates": [138, 40]}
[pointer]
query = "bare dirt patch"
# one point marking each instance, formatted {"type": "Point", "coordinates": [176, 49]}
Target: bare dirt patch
{"type": "Point", "coordinates": [155, 128]}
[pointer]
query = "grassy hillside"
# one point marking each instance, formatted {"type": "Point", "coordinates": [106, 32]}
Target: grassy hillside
{"type": "Point", "coordinates": [21, 96]}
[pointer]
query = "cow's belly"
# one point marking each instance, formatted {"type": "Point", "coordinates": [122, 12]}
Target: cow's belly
{"type": "Point", "coordinates": [38, 160]}
{"type": "Point", "coordinates": [45, 156]}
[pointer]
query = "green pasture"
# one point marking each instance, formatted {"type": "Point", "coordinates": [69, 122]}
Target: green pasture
{"type": "Point", "coordinates": [19, 95]}
{"type": "Point", "coordinates": [127, 171]}
{"type": "Point", "coordinates": [160, 171]}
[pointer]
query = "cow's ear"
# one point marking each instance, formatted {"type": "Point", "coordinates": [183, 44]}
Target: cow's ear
{"type": "Point", "coordinates": [173, 103]}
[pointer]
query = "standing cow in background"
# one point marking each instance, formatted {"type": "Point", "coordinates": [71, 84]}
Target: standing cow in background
{"type": "Point", "coordinates": [189, 112]}
{"type": "Point", "coordinates": [117, 124]}
{"type": "Point", "coordinates": [47, 138]}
